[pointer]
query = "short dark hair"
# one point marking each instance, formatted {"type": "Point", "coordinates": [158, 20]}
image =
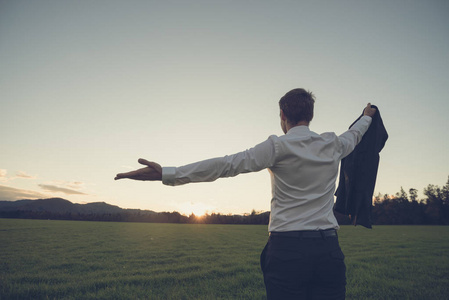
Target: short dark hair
{"type": "Point", "coordinates": [297, 105]}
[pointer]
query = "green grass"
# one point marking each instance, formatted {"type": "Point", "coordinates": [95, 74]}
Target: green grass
{"type": "Point", "coordinates": [98, 260]}
{"type": "Point", "coordinates": [396, 262]}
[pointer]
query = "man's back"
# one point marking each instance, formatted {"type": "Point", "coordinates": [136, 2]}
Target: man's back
{"type": "Point", "coordinates": [303, 177]}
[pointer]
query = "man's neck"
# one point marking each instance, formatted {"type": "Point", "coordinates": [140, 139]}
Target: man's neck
{"type": "Point", "coordinates": [300, 123]}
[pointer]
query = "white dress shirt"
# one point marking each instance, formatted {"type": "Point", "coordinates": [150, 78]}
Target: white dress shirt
{"type": "Point", "coordinates": [303, 166]}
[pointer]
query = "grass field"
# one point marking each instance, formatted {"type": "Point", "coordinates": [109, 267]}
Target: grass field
{"type": "Point", "coordinates": [98, 260]}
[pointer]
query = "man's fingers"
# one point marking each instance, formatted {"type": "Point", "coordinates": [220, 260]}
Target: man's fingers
{"type": "Point", "coordinates": [119, 176]}
{"type": "Point", "coordinates": [124, 175]}
{"type": "Point", "coordinates": [369, 110]}
{"type": "Point", "coordinates": [145, 162]}
{"type": "Point", "coordinates": [150, 164]}
{"type": "Point", "coordinates": [368, 106]}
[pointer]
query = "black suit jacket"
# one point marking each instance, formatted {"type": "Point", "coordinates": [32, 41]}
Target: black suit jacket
{"type": "Point", "coordinates": [358, 172]}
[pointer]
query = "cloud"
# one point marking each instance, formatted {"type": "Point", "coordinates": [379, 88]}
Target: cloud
{"type": "Point", "coordinates": [3, 173]}
{"type": "Point", "coordinates": [75, 185]}
{"type": "Point", "coordinates": [57, 189]}
{"type": "Point", "coordinates": [58, 186]}
{"type": "Point", "coordinates": [12, 194]}
{"type": "Point", "coordinates": [24, 175]}
{"type": "Point", "coordinates": [19, 174]}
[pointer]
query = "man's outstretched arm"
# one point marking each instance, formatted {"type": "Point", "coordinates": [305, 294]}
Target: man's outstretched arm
{"type": "Point", "coordinates": [153, 172]}
{"type": "Point", "coordinates": [255, 159]}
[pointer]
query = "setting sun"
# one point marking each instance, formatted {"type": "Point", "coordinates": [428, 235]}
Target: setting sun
{"type": "Point", "coordinates": [198, 209]}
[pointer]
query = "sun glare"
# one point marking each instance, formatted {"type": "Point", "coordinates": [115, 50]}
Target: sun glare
{"type": "Point", "coordinates": [198, 209]}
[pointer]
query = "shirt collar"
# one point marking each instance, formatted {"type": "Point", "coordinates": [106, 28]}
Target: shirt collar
{"type": "Point", "coordinates": [299, 130]}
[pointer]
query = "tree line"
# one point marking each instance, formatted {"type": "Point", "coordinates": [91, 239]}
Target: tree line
{"type": "Point", "coordinates": [142, 216]}
{"type": "Point", "coordinates": [400, 209]}
{"type": "Point", "coordinates": [406, 209]}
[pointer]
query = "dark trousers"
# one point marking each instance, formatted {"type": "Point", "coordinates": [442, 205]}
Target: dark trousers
{"type": "Point", "coordinates": [303, 267]}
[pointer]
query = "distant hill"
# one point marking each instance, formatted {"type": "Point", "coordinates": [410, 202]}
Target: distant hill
{"type": "Point", "coordinates": [62, 209]}
{"type": "Point", "coordinates": [62, 206]}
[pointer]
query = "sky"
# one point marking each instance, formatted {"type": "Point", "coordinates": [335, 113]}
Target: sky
{"type": "Point", "coordinates": [88, 87]}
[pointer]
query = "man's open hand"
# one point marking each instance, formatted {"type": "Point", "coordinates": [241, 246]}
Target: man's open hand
{"type": "Point", "coordinates": [152, 172]}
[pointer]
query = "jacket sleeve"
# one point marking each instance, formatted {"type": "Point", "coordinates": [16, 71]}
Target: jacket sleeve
{"type": "Point", "coordinates": [255, 159]}
{"type": "Point", "coordinates": [349, 139]}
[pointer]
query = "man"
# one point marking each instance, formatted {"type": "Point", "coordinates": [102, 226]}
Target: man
{"type": "Point", "coordinates": [302, 259]}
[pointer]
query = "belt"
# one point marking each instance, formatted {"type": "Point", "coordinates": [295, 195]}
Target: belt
{"type": "Point", "coordinates": [306, 234]}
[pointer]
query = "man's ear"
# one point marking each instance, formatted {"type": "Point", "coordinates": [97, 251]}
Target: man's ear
{"type": "Point", "coordinates": [283, 117]}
